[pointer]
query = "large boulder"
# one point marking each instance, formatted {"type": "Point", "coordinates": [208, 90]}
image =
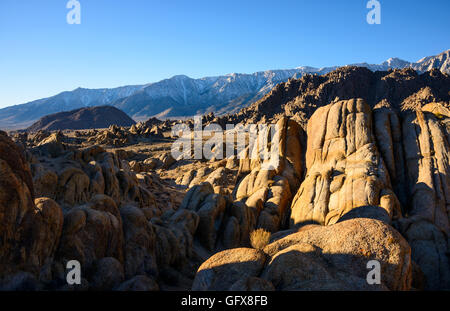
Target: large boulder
{"type": "Point", "coordinates": [344, 167]}
{"type": "Point", "coordinates": [108, 274]}
{"type": "Point", "coordinates": [210, 208]}
{"type": "Point", "coordinates": [267, 185]}
{"type": "Point", "coordinates": [334, 257]}
{"type": "Point", "coordinates": [224, 269]}
{"type": "Point", "coordinates": [140, 243]}
{"type": "Point", "coordinates": [175, 237]}
{"type": "Point", "coordinates": [91, 232]}
{"type": "Point", "coordinates": [73, 186]}
{"type": "Point", "coordinates": [44, 228]}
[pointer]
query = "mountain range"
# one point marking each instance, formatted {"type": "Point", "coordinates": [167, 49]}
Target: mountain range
{"type": "Point", "coordinates": [182, 96]}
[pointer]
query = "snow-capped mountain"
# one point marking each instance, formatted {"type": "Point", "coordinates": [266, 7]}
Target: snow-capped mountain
{"type": "Point", "coordinates": [441, 61]}
{"type": "Point", "coordinates": [184, 96]}
{"type": "Point", "coordinates": [21, 116]}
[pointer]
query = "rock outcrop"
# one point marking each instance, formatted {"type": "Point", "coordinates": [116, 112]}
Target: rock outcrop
{"type": "Point", "coordinates": [427, 228]}
{"type": "Point", "coordinates": [333, 257]}
{"type": "Point", "coordinates": [120, 226]}
{"type": "Point", "coordinates": [223, 270]}
{"type": "Point", "coordinates": [268, 189]}
{"type": "Point", "coordinates": [91, 232]}
{"type": "Point", "coordinates": [344, 168]}
{"type": "Point", "coordinates": [211, 209]}
{"type": "Point", "coordinates": [415, 147]}
{"type": "Point", "coordinates": [30, 229]}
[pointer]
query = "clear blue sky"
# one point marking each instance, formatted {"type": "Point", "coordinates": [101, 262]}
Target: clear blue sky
{"type": "Point", "coordinates": [122, 42]}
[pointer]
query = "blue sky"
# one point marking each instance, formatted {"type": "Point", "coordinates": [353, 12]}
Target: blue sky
{"type": "Point", "coordinates": [141, 41]}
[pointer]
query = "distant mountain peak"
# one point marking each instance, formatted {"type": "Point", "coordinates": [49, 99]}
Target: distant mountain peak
{"type": "Point", "coordinates": [180, 77]}
{"type": "Point", "coordinates": [396, 62]}
{"type": "Point", "coordinates": [445, 54]}
{"type": "Point", "coordinates": [182, 96]}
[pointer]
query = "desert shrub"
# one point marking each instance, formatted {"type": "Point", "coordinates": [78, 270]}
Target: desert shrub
{"type": "Point", "coordinates": [259, 238]}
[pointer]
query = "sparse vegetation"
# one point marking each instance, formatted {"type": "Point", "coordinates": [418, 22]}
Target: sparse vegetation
{"type": "Point", "coordinates": [259, 238]}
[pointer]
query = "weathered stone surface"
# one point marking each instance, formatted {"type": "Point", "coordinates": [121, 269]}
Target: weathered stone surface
{"type": "Point", "coordinates": [175, 237]}
{"type": "Point", "coordinates": [388, 132]}
{"type": "Point", "coordinates": [372, 212]}
{"type": "Point", "coordinates": [268, 189]}
{"type": "Point", "coordinates": [108, 274]}
{"type": "Point", "coordinates": [139, 241]}
{"type": "Point", "coordinates": [45, 181]}
{"type": "Point", "coordinates": [73, 186]}
{"type": "Point", "coordinates": [218, 177]}
{"type": "Point", "coordinates": [210, 207]}
{"type": "Point", "coordinates": [335, 257]}
{"type": "Point", "coordinates": [427, 228]}
{"type": "Point", "coordinates": [199, 176]}
{"type": "Point", "coordinates": [246, 220]}
{"type": "Point", "coordinates": [416, 150]}
{"type": "Point", "coordinates": [91, 232]}
{"type": "Point", "coordinates": [223, 270]}
{"type": "Point", "coordinates": [52, 145]}
{"type": "Point", "coordinates": [44, 228]}
{"type": "Point", "coordinates": [331, 257]}
{"type": "Point", "coordinates": [77, 175]}
{"type": "Point", "coordinates": [430, 251]}
{"type": "Point", "coordinates": [344, 167]}
{"type": "Point", "coordinates": [16, 191]}
{"type": "Point", "coordinates": [29, 233]}
{"type": "Point", "coordinates": [167, 160]}
{"type": "Point", "coordinates": [139, 283]}
{"type": "Point", "coordinates": [232, 235]}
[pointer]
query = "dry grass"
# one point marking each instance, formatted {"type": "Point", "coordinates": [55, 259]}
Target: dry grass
{"type": "Point", "coordinates": [259, 238]}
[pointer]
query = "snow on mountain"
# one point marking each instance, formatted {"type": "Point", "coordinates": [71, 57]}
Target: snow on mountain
{"type": "Point", "coordinates": [184, 96]}
{"type": "Point", "coordinates": [441, 61]}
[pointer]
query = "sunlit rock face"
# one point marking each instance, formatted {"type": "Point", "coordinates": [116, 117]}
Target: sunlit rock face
{"type": "Point", "coordinates": [415, 148]}
{"type": "Point", "coordinates": [427, 229]}
{"type": "Point", "coordinates": [331, 257]}
{"type": "Point", "coordinates": [344, 168]}
{"type": "Point", "coordinates": [266, 189]}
